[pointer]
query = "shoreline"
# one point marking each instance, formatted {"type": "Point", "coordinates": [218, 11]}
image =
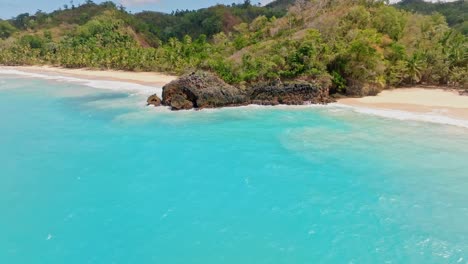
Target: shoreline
{"type": "Point", "coordinates": [143, 78]}
{"type": "Point", "coordinates": [431, 102]}
{"type": "Point", "coordinates": [418, 100]}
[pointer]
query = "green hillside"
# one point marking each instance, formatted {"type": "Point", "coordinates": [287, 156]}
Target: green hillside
{"type": "Point", "coordinates": [356, 47]}
{"type": "Point", "coordinates": [208, 21]}
{"type": "Point", "coordinates": [151, 27]}
{"type": "Point", "coordinates": [456, 12]}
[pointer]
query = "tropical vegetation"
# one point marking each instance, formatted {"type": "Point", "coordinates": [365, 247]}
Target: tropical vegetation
{"type": "Point", "coordinates": [456, 12]}
{"type": "Point", "coordinates": [355, 47]}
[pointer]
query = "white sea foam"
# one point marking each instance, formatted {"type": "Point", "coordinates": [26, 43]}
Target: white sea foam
{"type": "Point", "coordinates": [431, 117]}
{"type": "Point", "coordinates": [129, 87]}
{"type": "Point", "coordinates": [264, 107]}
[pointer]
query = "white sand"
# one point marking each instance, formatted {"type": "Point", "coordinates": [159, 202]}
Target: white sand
{"type": "Point", "coordinates": [444, 102]}
{"type": "Point", "coordinates": [146, 78]}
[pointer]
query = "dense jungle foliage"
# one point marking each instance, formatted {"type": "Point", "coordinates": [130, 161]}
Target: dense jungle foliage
{"type": "Point", "coordinates": [356, 47]}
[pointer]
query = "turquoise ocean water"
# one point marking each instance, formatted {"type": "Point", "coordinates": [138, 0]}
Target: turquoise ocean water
{"type": "Point", "coordinates": [93, 176]}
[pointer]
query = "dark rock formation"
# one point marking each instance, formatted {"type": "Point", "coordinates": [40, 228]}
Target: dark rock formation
{"type": "Point", "coordinates": [154, 100]}
{"type": "Point", "coordinates": [296, 93]}
{"type": "Point", "coordinates": [201, 90]}
{"type": "Point", "coordinates": [205, 90]}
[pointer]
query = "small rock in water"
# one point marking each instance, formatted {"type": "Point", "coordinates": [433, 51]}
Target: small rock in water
{"type": "Point", "coordinates": [154, 100]}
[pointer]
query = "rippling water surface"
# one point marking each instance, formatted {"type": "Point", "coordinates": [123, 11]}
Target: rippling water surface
{"type": "Point", "coordinates": [93, 176]}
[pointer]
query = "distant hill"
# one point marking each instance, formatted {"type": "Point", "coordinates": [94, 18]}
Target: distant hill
{"type": "Point", "coordinates": [455, 12]}
{"type": "Point", "coordinates": [207, 21]}
{"type": "Point", "coordinates": [151, 27]}
{"type": "Point", "coordinates": [78, 15]}
{"type": "Point", "coordinates": [281, 4]}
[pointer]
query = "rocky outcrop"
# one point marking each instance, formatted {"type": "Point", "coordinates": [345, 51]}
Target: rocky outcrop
{"type": "Point", "coordinates": [295, 93]}
{"type": "Point", "coordinates": [205, 90]}
{"type": "Point", "coordinates": [154, 100]}
{"type": "Point", "coordinates": [201, 90]}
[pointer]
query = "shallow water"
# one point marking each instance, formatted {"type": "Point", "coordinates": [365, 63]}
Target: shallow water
{"type": "Point", "coordinates": [93, 176]}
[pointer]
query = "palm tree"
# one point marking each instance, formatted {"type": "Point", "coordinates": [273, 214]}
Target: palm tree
{"type": "Point", "coordinates": [414, 68]}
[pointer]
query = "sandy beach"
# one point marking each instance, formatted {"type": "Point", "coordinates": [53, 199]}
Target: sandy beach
{"type": "Point", "coordinates": [145, 78]}
{"type": "Point", "coordinates": [437, 101]}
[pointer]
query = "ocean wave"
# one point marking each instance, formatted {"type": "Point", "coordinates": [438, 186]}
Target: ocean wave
{"type": "Point", "coordinates": [120, 86]}
{"type": "Point", "coordinates": [431, 117]}
{"type": "Point", "coordinates": [265, 107]}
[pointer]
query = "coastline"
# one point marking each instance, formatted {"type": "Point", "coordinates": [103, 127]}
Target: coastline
{"type": "Point", "coordinates": [143, 78]}
{"type": "Point", "coordinates": [431, 102]}
{"type": "Point", "coordinates": [419, 100]}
